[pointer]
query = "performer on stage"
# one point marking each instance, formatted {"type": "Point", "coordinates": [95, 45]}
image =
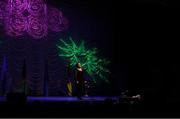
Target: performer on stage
{"type": "Point", "coordinates": [79, 81]}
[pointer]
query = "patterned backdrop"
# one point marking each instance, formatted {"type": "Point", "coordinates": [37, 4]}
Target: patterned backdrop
{"type": "Point", "coordinates": [32, 67]}
{"type": "Point", "coordinates": [28, 57]}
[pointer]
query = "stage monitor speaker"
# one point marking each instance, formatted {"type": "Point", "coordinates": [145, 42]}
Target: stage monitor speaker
{"type": "Point", "coordinates": [16, 98]}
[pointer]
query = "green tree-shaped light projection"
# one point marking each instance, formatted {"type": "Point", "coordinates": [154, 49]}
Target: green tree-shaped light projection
{"type": "Point", "coordinates": [78, 53]}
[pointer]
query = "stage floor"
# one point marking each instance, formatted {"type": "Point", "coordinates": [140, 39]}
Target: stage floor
{"type": "Point", "coordinates": [67, 99]}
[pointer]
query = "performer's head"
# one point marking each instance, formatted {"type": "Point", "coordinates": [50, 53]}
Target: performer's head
{"type": "Point", "coordinates": [78, 65]}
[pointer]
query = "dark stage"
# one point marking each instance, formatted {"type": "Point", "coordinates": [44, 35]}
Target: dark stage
{"type": "Point", "coordinates": [93, 106]}
{"type": "Point", "coordinates": [92, 99]}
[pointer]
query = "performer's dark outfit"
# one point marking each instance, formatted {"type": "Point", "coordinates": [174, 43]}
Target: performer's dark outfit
{"type": "Point", "coordinates": [80, 88]}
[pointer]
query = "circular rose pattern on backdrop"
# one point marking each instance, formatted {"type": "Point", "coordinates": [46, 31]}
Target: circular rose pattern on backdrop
{"type": "Point", "coordinates": [37, 27]}
{"type": "Point", "coordinates": [17, 5]}
{"type": "Point", "coordinates": [16, 25]}
{"type": "Point", "coordinates": [31, 16]}
{"type": "Point", "coordinates": [56, 20]}
{"type": "Point", "coordinates": [36, 7]}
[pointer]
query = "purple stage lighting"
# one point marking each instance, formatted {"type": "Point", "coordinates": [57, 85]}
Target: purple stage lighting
{"type": "Point", "coordinates": [32, 17]}
{"type": "Point", "coordinates": [15, 25]}
{"type": "Point", "coordinates": [37, 27]}
{"type": "Point", "coordinates": [17, 6]}
{"type": "Point", "coordinates": [58, 23]}
{"type": "Point", "coordinates": [36, 7]}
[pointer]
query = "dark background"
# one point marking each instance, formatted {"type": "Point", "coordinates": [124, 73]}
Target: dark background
{"type": "Point", "coordinates": [140, 37]}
